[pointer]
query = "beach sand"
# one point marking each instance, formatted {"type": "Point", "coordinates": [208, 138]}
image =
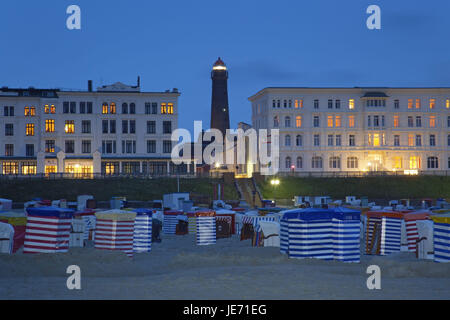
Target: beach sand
{"type": "Point", "coordinates": [179, 269]}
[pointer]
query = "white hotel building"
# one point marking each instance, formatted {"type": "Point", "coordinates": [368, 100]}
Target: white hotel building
{"type": "Point", "coordinates": [355, 130]}
{"type": "Point", "coordinates": [115, 130]}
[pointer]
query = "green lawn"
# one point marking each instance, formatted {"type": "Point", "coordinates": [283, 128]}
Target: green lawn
{"type": "Point", "coordinates": [411, 187]}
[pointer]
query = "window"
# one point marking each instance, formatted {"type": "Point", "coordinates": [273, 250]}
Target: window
{"type": "Point", "coordinates": [410, 140]}
{"type": "Point", "coordinates": [417, 103]}
{"type": "Point", "coordinates": [298, 121]}
{"type": "Point", "coordinates": [374, 140]}
{"type": "Point", "coordinates": [9, 129]}
{"type": "Point", "coordinates": [29, 168]}
{"type": "Point", "coordinates": [82, 107]}
{"type": "Point", "coordinates": [330, 121]}
{"type": "Point", "coordinates": [287, 141]}
{"type": "Point", "coordinates": [338, 122]}
{"type": "Point", "coordinates": [110, 168]}
{"type": "Point", "coordinates": [396, 121]}
{"type": "Point", "coordinates": [10, 167]}
{"type": "Point", "coordinates": [163, 108]}
{"type": "Point", "coordinates": [276, 122]}
{"type": "Point", "coordinates": [316, 104]}
{"type": "Point", "coordinates": [112, 126]}
{"type": "Point", "coordinates": [124, 126]}
{"type": "Point", "coordinates": [410, 103]}
{"type": "Point", "coordinates": [397, 162]}
{"type": "Point", "coordinates": [418, 140]}
{"type": "Point", "coordinates": [112, 108]}
{"type": "Point", "coordinates": [351, 104]}
{"type": "Point", "coordinates": [351, 140]}
{"type": "Point", "coordinates": [432, 140]}
{"type": "Point", "coordinates": [418, 121]}
{"type": "Point", "coordinates": [148, 108]}
{"type": "Point", "coordinates": [330, 140]}
{"type": "Point", "coordinates": [287, 122]}
{"type": "Point", "coordinates": [69, 127]}
{"type": "Point", "coordinates": [105, 126]}
{"type": "Point", "coordinates": [316, 162]}
{"type": "Point", "coordinates": [167, 146]}
{"type": "Point", "coordinates": [396, 140]}
{"type": "Point", "coordinates": [432, 103]}
{"type": "Point", "coordinates": [432, 121]}
{"type": "Point", "coordinates": [338, 140]}
{"type": "Point", "coordinates": [9, 150]}
{"type": "Point", "coordinates": [29, 130]}
{"type": "Point", "coordinates": [351, 121]}
{"type": "Point", "coordinates": [338, 104]}
{"type": "Point", "coordinates": [49, 108]}
{"type": "Point", "coordinates": [330, 104]}
{"type": "Point", "coordinates": [376, 121]}
{"type": "Point", "coordinates": [49, 125]}
{"type": "Point", "coordinates": [448, 121]}
{"type": "Point", "coordinates": [132, 126]}
{"type": "Point", "coordinates": [30, 111]}
{"type": "Point", "coordinates": [151, 146]}
{"type": "Point", "coordinates": [285, 103]}
{"type": "Point", "coordinates": [396, 104]}
{"type": "Point", "coordinates": [273, 103]}
{"type": "Point", "coordinates": [287, 162]}
{"type": "Point", "coordinates": [124, 108]}
{"type": "Point", "coordinates": [85, 126]}
{"type": "Point", "coordinates": [352, 163]}
{"type": "Point", "coordinates": [290, 103]}
{"type": "Point", "coordinates": [132, 108]}
{"type": "Point", "coordinates": [299, 140]}
{"type": "Point", "coordinates": [70, 146]}
{"type": "Point", "coordinates": [448, 140]}
{"type": "Point", "coordinates": [382, 121]}
{"type": "Point", "coordinates": [447, 103]}
{"type": "Point", "coordinates": [299, 103]}
{"type": "Point", "coordinates": [108, 146]}
{"type": "Point", "coordinates": [316, 140]}
{"type": "Point", "coordinates": [128, 146]}
{"type": "Point", "coordinates": [299, 162]}
{"type": "Point", "coordinates": [29, 150]}
{"type": "Point", "coordinates": [369, 123]}
{"type": "Point", "coordinates": [66, 106]}
{"type": "Point", "coordinates": [104, 108]}
{"type": "Point", "coordinates": [316, 122]}
{"type": "Point", "coordinates": [86, 146]}
{"type": "Point", "coordinates": [89, 107]}
{"type": "Point", "coordinates": [432, 163]}
{"type": "Point", "coordinates": [167, 127]}
{"type": "Point", "coordinates": [414, 162]}
{"type": "Point", "coordinates": [49, 146]}
{"type": "Point", "coordinates": [335, 163]}
{"type": "Point", "coordinates": [410, 122]}
{"type": "Point", "coordinates": [151, 127]}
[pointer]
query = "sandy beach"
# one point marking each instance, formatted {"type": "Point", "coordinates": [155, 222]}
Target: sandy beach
{"type": "Point", "coordinates": [231, 269]}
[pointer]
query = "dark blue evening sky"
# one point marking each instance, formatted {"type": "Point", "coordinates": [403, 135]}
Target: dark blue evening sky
{"type": "Point", "coordinates": [264, 43]}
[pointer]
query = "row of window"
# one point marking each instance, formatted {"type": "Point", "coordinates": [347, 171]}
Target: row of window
{"type": "Point", "coordinates": [352, 163]}
{"type": "Point", "coordinates": [372, 121]}
{"type": "Point", "coordinates": [374, 140]}
{"type": "Point", "coordinates": [380, 102]}
{"type": "Point", "coordinates": [129, 146]}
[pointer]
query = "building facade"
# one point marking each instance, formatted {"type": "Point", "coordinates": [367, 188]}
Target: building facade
{"type": "Point", "coordinates": [354, 130]}
{"type": "Point", "coordinates": [116, 129]}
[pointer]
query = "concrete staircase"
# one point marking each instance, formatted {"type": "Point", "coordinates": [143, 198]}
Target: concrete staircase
{"type": "Point", "coordinates": [249, 192]}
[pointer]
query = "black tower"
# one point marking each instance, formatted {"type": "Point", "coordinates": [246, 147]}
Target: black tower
{"type": "Point", "coordinates": [220, 118]}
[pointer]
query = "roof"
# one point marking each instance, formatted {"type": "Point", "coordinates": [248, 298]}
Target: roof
{"type": "Point", "coordinates": [219, 62]}
{"type": "Point", "coordinates": [375, 95]}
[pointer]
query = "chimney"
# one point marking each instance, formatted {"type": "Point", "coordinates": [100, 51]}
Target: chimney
{"type": "Point", "coordinates": [90, 85]}
{"type": "Point", "coordinates": [139, 82]}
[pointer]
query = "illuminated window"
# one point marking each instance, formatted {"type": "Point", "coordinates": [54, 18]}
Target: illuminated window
{"type": "Point", "coordinates": [351, 121]}
{"type": "Point", "coordinates": [49, 170]}
{"type": "Point", "coordinates": [352, 163]}
{"type": "Point", "coordinates": [170, 108]}
{"type": "Point", "coordinates": [69, 127]}
{"type": "Point", "coordinates": [49, 146]}
{"type": "Point", "coordinates": [28, 168]}
{"type": "Point", "coordinates": [414, 162]}
{"type": "Point", "coordinates": [396, 121]}
{"type": "Point", "coordinates": [298, 121]}
{"type": "Point", "coordinates": [410, 103]}
{"type": "Point", "coordinates": [330, 121]}
{"type": "Point", "coordinates": [163, 108]}
{"type": "Point", "coordinates": [432, 121]}
{"type": "Point", "coordinates": [30, 129]}
{"type": "Point", "coordinates": [112, 108]}
{"type": "Point", "coordinates": [298, 103]}
{"type": "Point", "coordinates": [30, 111]}
{"type": "Point", "coordinates": [397, 162]}
{"type": "Point", "coordinates": [10, 167]}
{"type": "Point", "coordinates": [432, 103]}
{"type": "Point", "coordinates": [447, 103]}
{"type": "Point", "coordinates": [49, 125]}
{"type": "Point", "coordinates": [417, 103]}
{"type": "Point", "coordinates": [49, 108]}
{"type": "Point", "coordinates": [351, 104]}
{"type": "Point", "coordinates": [410, 140]}
{"type": "Point", "coordinates": [104, 108]}
{"type": "Point", "coordinates": [338, 121]}
{"type": "Point", "coordinates": [376, 140]}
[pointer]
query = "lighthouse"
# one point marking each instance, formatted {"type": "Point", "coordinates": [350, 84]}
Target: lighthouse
{"type": "Point", "coordinates": [220, 118]}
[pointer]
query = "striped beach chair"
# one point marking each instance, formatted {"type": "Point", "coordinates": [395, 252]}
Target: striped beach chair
{"type": "Point", "coordinates": [192, 223]}
{"type": "Point", "coordinates": [142, 236]}
{"type": "Point", "coordinates": [206, 227]}
{"type": "Point", "coordinates": [170, 222]}
{"type": "Point", "coordinates": [47, 230]}
{"type": "Point", "coordinates": [391, 235]}
{"type": "Point", "coordinates": [346, 231]}
{"type": "Point", "coordinates": [412, 234]}
{"type": "Point", "coordinates": [115, 231]}
{"type": "Point", "coordinates": [441, 236]}
{"type": "Point", "coordinates": [284, 236]}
